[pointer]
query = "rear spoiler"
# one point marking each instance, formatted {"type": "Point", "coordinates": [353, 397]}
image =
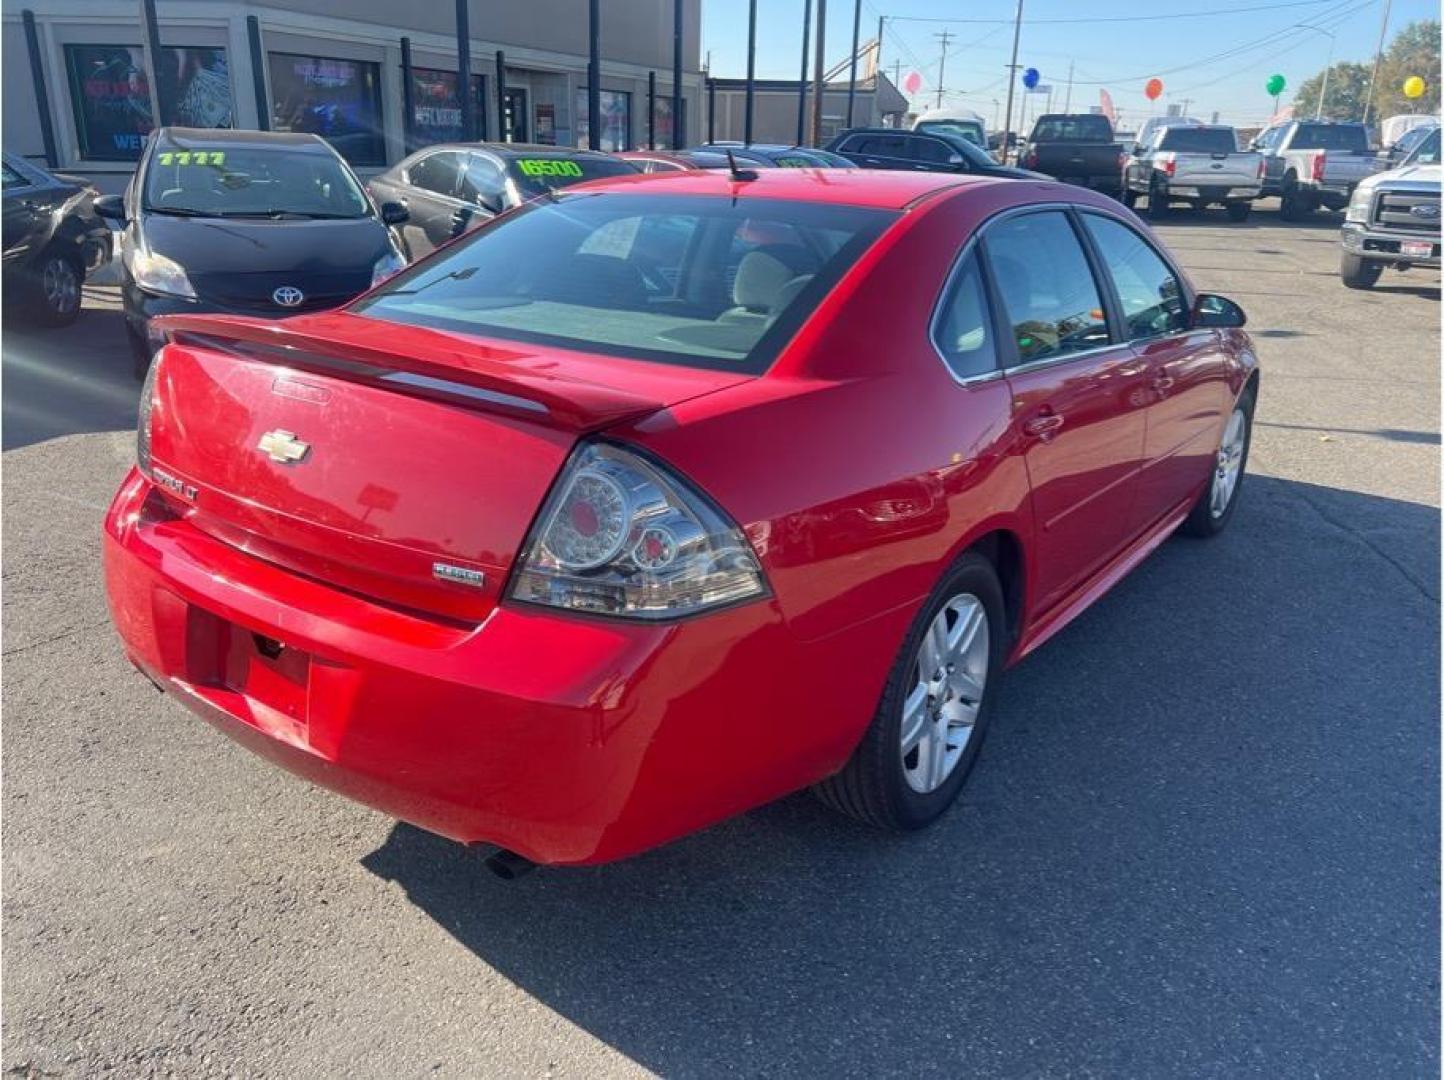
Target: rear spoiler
{"type": "Point", "coordinates": [463, 376]}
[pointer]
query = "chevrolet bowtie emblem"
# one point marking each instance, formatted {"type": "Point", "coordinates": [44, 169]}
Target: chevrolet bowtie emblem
{"type": "Point", "coordinates": [283, 446]}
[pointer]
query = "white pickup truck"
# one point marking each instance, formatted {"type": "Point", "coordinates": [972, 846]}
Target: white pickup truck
{"type": "Point", "coordinates": [1314, 163]}
{"type": "Point", "coordinates": [1199, 164]}
{"type": "Point", "coordinates": [1393, 219]}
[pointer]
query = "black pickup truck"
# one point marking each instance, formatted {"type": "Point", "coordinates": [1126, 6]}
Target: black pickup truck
{"type": "Point", "coordinates": [1077, 148]}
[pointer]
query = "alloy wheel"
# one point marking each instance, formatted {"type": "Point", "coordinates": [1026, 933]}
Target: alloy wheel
{"type": "Point", "coordinates": [940, 712]}
{"type": "Point", "coordinates": [1229, 465]}
{"type": "Point", "coordinates": [61, 285]}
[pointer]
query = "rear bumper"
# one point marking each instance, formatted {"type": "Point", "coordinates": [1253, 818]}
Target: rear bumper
{"type": "Point", "coordinates": [566, 739]}
{"type": "Point", "coordinates": [1214, 192]}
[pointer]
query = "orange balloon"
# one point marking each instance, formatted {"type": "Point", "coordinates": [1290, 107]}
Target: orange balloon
{"type": "Point", "coordinates": [1153, 90]}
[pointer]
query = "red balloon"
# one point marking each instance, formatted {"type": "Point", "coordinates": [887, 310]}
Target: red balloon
{"type": "Point", "coordinates": [913, 83]}
{"type": "Point", "coordinates": [1154, 90]}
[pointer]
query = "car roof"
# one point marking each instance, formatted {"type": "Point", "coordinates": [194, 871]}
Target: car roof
{"type": "Point", "coordinates": [516, 150]}
{"type": "Point", "coordinates": [876, 188]}
{"type": "Point", "coordinates": [300, 140]}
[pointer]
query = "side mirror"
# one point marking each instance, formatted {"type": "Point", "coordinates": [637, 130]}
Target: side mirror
{"type": "Point", "coordinates": [1212, 310]}
{"type": "Point", "coordinates": [955, 159]}
{"type": "Point", "coordinates": [394, 213]}
{"type": "Point", "coordinates": [110, 208]}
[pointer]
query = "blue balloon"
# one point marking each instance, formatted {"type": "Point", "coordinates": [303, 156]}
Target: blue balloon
{"type": "Point", "coordinates": [1031, 77]}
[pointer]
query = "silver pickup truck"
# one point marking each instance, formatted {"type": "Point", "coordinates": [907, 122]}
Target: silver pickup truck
{"type": "Point", "coordinates": [1314, 163]}
{"type": "Point", "coordinates": [1393, 219]}
{"type": "Point", "coordinates": [1200, 164]}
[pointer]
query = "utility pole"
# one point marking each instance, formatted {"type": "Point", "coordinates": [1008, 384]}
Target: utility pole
{"type": "Point", "coordinates": [943, 39]}
{"type": "Point", "coordinates": [802, 79]}
{"type": "Point", "coordinates": [821, 55]}
{"type": "Point", "coordinates": [852, 73]}
{"type": "Point", "coordinates": [1186, 103]}
{"type": "Point", "coordinates": [751, 70]}
{"type": "Point", "coordinates": [1068, 98]}
{"type": "Point", "coordinates": [1012, 78]}
{"type": "Point", "coordinates": [877, 56]}
{"type": "Point", "coordinates": [1378, 57]}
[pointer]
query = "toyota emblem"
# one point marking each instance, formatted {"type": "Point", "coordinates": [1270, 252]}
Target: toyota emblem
{"type": "Point", "coordinates": [288, 296]}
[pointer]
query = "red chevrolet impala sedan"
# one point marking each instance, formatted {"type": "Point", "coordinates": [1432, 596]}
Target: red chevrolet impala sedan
{"type": "Point", "coordinates": [666, 496]}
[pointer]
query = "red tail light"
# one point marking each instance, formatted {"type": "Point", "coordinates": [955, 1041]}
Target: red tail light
{"type": "Point", "coordinates": [1030, 161]}
{"type": "Point", "coordinates": [1260, 168]}
{"type": "Point", "coordinates": [1319, 165]}
{"type": "Point", "coordinates": [1169, 165]}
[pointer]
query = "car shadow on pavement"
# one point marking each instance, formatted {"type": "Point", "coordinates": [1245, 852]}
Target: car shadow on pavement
{"type": "Point", "coordinates": [1203, 838]}
{"type": "Point", "coordinates": [69, 380]}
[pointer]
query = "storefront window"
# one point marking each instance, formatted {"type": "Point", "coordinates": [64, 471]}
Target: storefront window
{"type": "Point", "coordinates": [340, 100]}
{"type": "Point", "coordinates": [436, 108]}
{"type": "Point", "coordinates": [616, 120]}
{"type": "Point", "coordinates": [110, 92]}
{"type": "Point", "coordinates": [664, 121]}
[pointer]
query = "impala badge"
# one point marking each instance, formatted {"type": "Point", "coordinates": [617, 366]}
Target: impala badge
{"type": "Point", "coordinates": [283, 446]}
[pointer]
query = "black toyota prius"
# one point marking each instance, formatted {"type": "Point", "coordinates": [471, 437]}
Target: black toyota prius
{"type": "Point", "coordinates": [245, 223]}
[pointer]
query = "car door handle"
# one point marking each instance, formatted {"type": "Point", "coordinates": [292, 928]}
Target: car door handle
{"type": "Point", "coordinates": [1044, 426]}
{"type": "Point", "coordinates": [1161, 382]}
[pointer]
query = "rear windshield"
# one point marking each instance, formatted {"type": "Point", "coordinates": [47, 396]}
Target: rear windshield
{"type": "Point", "coordinates": [220, 180]}
{"type": "Point", "coordinates": [1330, 137]}
{"type": "Point", "coordinates": [1084, 128]}
{"type": "Point", "coordinates": [691, 280]}
{"type": "Point", "coordinates": [1193, 140]}
{"type": "Point", "coordinates": [966, 129]}
{"type": "Point", "coordinates": [542, 173]}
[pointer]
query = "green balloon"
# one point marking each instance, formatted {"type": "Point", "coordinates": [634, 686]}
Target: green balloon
{"type": "Point", "coordinates": [1275, 85]}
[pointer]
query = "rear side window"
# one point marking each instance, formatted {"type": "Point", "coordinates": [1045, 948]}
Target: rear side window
{"type": "Point", "coordinates": [436, 173]}
{"type": "Point", "coordinates": [881, 146]}
{"type": "Point", "coordinates": [1150, 293]}
{"type": "Point", "coordinates": [1194, 140]}
{"type": "Point", "coordinates": [963, 332]}
{"type": "Point", "coordinates": [691, 280]}
{"type": "Point", "coordinates": [1084, 128]}
{"type": "Point", "coordinates": [1046, 286]}
{"type": "Point", "coordinates": [933, 151]}
{"type": "Point", "coordinates": [482, 183]}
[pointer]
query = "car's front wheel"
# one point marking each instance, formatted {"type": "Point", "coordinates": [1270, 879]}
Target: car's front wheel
{"type": "Point", "coordinates": [1214, 508]}
{"type": "Point", "coordinates": [929, 726]}
{"type": "Point", "coordinates": [1238, 211]}
{"type": "Point", "coordinates": [1357, 272]}
{"type": "Point", "coordinates": [58, 278]}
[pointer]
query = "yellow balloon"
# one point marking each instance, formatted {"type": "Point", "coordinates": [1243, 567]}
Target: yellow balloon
{"type": "Point", "coordinates": [1414, 87]}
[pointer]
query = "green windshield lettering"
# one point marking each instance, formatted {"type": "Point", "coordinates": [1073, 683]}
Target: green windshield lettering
{"type": "Point", "coordinates": [548, 167]}
{"type": "Point", "coordinates": [192, 157]}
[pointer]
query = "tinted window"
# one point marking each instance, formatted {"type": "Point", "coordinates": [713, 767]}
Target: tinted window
{"type": "Point", "coordinates": [964, 129]}
{"type": "Point", "coordinates": [436, 173]}
{"type": "Point", "coordinates": [540, 173]}
{"type": "Point", "coordinates": [1197, 140]}
{"type": "Point", "coordinates": [1046, 286]}
{"type": "Point", "coordinates": [230, 180]}
{"type": "Point", "coordinates": [1330, 137]}
{"type": "Point", "coordinates": [932, 151]}
{"type": "Point", "coordinates": [13, 179]}
{"type": "Point", "coordinates": [964, 330]}
{"type": "Point", "coordinates": [1082, 128]}
{"type": "Point", "coordinates": [639, 275]}
{"type": "Point", "coordinates": [340, 100]}
{"type": "Point", "coordinates": [1151, 296]}
{"type": "Point", "coordinates": [880, 145]}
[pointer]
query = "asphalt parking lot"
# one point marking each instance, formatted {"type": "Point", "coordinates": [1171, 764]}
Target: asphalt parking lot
{"type": "Point", "coordinates": [1203, 839]}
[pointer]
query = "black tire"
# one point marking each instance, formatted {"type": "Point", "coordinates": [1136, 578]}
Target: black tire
{"type": "Point", "coordinates": [1128, 198]}
{"type": "Point", "coordinates": [55, 288]}
{"type": "Point", "coordinates": [872, 786]}
{"type": "Point", "coordinates": [140, 353]}
{"type": "Point", "coordinates": [1293, 204]}
{"type": "Point", "coordinates": [1157, 203]}
{"type": "Point", "coordinates": [1238, 211]}
{"type": "Point", "coordinates": [1357, 272]}
{"type": "Point", "coordinates": [1202, 522]}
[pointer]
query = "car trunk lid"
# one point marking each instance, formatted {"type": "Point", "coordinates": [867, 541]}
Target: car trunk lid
{"type": "Point", "coordinates": [407, 471]}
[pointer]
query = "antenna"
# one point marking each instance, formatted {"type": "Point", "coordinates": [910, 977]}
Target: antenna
{"type": "Point", "coordinates": [739, 174]}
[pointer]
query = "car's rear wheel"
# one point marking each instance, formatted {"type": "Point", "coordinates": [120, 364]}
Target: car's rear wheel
{"type": "Point", "coordinates": [1294, 204]}
{"type": "Point", "coordinates": [1239, 211]}
{"type": "Point", "coordinates": [1357, 272]}
{"type": "Point", "coordinates": [58, 278]}
{"type": "Point", "coordinates": [1157, 201]}
{"type": "Point", "coordinates": [928, 728]}
{"type": "Point", "coordinates": [1214, 508]}
{"type": "Point", "coordinates": [1129, 197]}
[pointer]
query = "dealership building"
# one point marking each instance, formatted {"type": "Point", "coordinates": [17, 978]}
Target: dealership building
{"type": "Point", "coordinates": [376, 77]}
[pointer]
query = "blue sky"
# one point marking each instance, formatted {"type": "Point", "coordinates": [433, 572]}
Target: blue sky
{"type": "Point", "coordinates": [1218, 53]}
